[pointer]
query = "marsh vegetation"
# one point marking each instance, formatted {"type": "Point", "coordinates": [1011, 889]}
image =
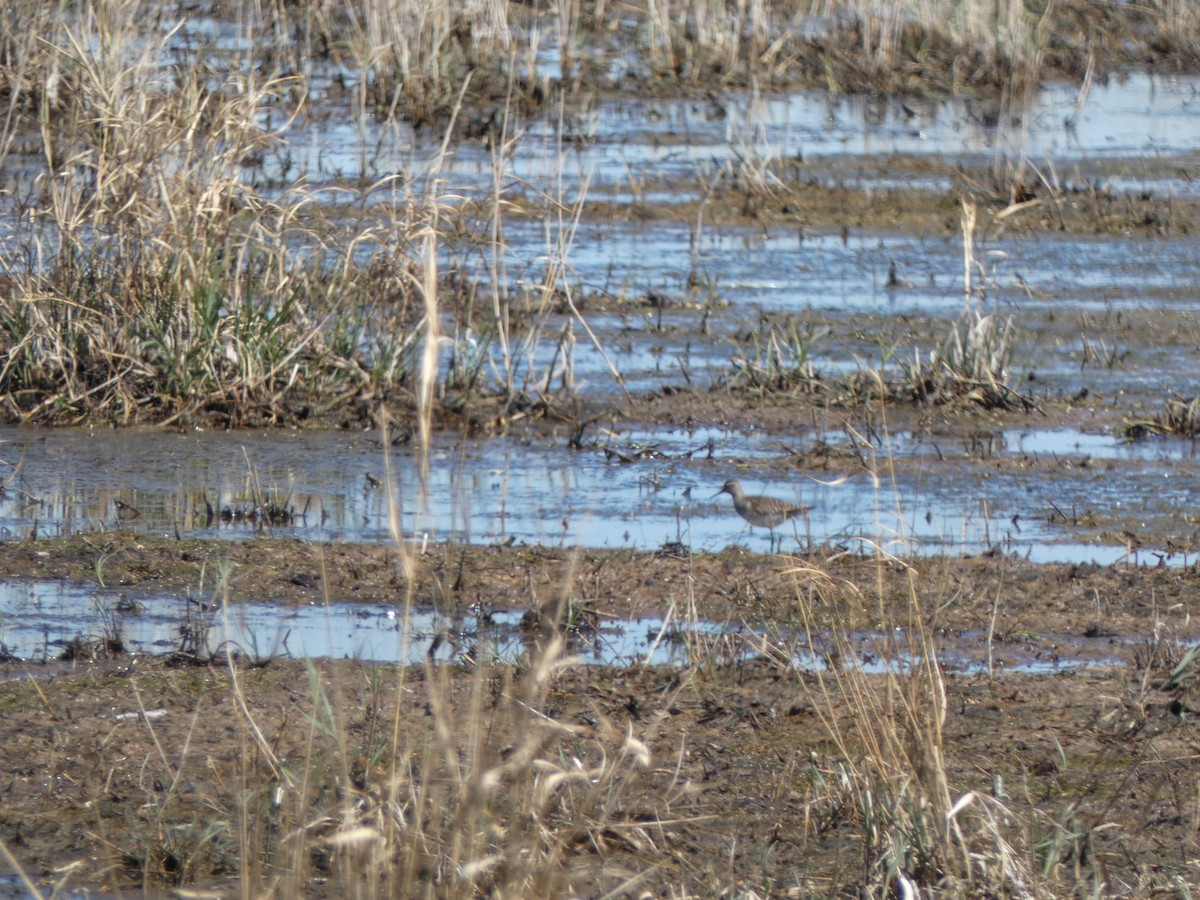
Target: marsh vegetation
{"type": "Point", "coordinates": [544, 222]}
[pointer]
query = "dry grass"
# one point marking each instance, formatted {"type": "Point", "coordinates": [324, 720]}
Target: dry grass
{"type": "Point", "coordinates": [920, 831]}
{"type": "Point", "coordinates": [415, 57]}
{"type": "Point", "coordinates": [1180, 418]}
{"type": "Point", "coordinates": [433, 781]}
{"type": "Point", "coordinates": [492, 798]}
{"type": "Point", "coordinates": [155, 280]}
{"type": "Point", "coordinates": [159, 269]}
{"type": "Point", "coordinates": [777, 360]}
{"type": "Point", "coordinates": [926, 818]}
{"type": "Point", "coordinates": [410, 60]}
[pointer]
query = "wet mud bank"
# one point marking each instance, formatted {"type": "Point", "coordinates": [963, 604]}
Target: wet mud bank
{"type": "Point", "coordinates": [730, 773]}
{"type": "Point", "coordinates": [1016, 602]}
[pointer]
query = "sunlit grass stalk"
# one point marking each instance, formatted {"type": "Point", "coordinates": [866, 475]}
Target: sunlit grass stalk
{"type": "Point", "coordinates": [919, 830]}
{"type": "Point", "coordinates": [501, 159]}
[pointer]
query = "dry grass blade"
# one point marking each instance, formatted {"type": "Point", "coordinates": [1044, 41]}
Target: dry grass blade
{"type": "Point", "coordinates": [19, 870]}
{"type": "Point", "coordinates": [887, 721]}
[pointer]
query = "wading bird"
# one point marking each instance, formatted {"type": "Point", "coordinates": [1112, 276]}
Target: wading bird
{"type": "Point", "coordinates": [766, 512]}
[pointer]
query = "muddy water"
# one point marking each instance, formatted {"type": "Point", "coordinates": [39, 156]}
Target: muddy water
{"type": "Point", "coordinates": [623, 147]}
{"type": "Point", "coordinates": [1045, 494]}
{"type": "Point", "coordinates": [1042, 494]}
{"type": "Point", "coordinates": [44, 621]}
{"type": "Point", "coordinates": [777, 269]}
{"type": "Point", "coordinates": [47, 622]}
{"type": "Point", "coordinates": [1107, 317]}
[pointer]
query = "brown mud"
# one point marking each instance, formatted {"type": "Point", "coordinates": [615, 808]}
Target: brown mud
{"type": "Point", "coordinates": [112, 769]}
{"type": "Point", "coordinates": [1129, 601]}
{"type": "Point", "coordinates": [823, 198]}
{"type": "Point", "coordinates": [133, 773]}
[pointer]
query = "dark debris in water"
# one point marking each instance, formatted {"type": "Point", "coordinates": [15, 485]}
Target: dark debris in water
{"type": "Point", "coordinates": [269, 514]}
{"type": "Point", "coordinates": [1181, 418]}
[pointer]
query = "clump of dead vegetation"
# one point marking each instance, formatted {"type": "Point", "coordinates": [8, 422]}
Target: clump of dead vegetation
{"type": "Point", "coordinates": [970, 368]}
{"type": "Point", "coordinates": [155, 282]}
{"type": "Point", "coordinates": [168, 268]}
{"type": "Point", "coordinates": [776, 360]}
{"type": "Point", "coordinates": [417, 58]}
{"type": "Point", "coordinates": [1181, 418]}
{"type": "Point", "coordinates": [404, 60]}
{"type": "Point", "coordinates": [889, 773]}
{"type": "Point", "coordinates": [972, 365]}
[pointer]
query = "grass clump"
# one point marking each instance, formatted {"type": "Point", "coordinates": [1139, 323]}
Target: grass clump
{"type": "Point", "coordinates": [155, 282]}
{"type": "Point", "coordinates": [416, 61]}
{"type": "Point", "coordinates": [905, 810]}
{"type": "Point", "coordinates": [777, 361]}
{"type": "Point", "coordinates": [1180, 418]}
{"type": "Point", "coordinates": [972, 364]}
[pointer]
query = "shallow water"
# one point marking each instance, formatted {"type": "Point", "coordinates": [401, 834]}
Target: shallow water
{"type": "Point", "coordinates": [639, 489]}
{"type": "Point", "coordinates": [744, 273]}
{"type": "Point", "coordinates": [625, 150]}
{"type": "Point", "coordinates": [777, 269]}
{"type": "Point", "coordinates": [40, 621]}
{"type": "Point", "coordinates": [1056, 495]}
{"type": "Point", "coordinates": [1077, 305]}
{"type": "Point", "coordinates": [621, 145]}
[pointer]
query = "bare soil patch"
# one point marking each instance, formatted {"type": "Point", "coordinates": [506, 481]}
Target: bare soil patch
{"type": "Point", "coordinates": [131, 772]}
{"type": "Point", "coordinates": [141, 775]}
